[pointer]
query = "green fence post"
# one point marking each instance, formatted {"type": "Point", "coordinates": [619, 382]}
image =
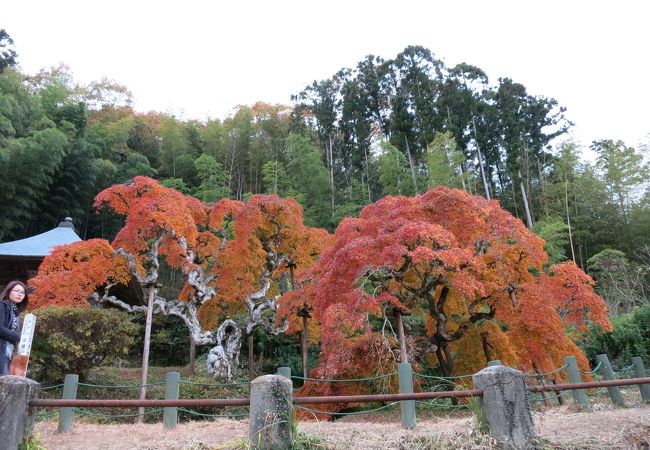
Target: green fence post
{"type": "Point", "coordinates": [172, 387]}
{"type": "Point", "coordinates": [285, 372]}
{"type": "Point", "coordinates": [639, 372]}
{"type": "Point", "coordinates": [494, 362]}
{"type": "Point", "coordinates": [579, 395]}
{"type": "Point", "coordinates": [407, 407]}
{"type": "Point", "coordinates": [70, 384]}
{"type": "Point", "coordinates": [608, 374]}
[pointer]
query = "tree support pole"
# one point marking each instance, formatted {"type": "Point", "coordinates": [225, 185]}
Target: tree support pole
{"type": "Point", "coordinates": [145, 352]}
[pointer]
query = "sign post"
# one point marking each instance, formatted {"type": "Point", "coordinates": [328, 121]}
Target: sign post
{"type": "Point", "coordinates": [20, 359]}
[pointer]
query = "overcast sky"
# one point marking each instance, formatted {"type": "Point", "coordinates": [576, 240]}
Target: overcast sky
{"type": "Point", "coordinates": [199, 59]}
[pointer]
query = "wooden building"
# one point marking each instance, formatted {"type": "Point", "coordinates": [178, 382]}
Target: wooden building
{"type": "Point", "coordinates": [19, 260]}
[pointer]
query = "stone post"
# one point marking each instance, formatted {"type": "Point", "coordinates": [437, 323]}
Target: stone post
{"type": "Point", "coordinates": [16, 417]}
{"type": "Point", "coordinates": [407, 407]}
{"type": "Point", "coordinates": [606, 369]}
{"type": "Point", "coordinates": [639, 372]}
{"type": "Point", "coordinates": [504, 405]}
{"type": "Point", "coordinates": [172, 388]}
{"type": "Point", "coordinates": [579, 395]}
{"type": "Point", "coordinates": [66, 415]}
{"type": "Point", "coordinates": [271, 413]}
{"type": "Point", "coordinates": [285, 372]}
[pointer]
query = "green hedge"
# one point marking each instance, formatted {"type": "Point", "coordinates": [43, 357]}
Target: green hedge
{"type": "Point", "coordinates": [74, 340]}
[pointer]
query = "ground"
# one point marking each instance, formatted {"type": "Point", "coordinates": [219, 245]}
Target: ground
{"type": "Point", "coordinates": [561, 428]}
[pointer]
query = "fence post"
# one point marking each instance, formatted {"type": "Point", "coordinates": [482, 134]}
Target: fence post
{"type": "Point", "coordinates": [16, 417]}
{"type": "Point", "coordinates": [579, 395]}
{"type": "Point", "coordinates": [608, 373]}
{"type": "Point", "coordinates": [407, 407]}
{"type": "Point", "coordinates": [504, 405]}
{"type": "Point", "coordinates": [285, 372]}
{"type": "Point", "coordinates": [639, 372]}
{"type": "Point", "coordinates": [494, 362]}
{"type": "Point", "coordinates": [70, 384]}
{"type": "Point", "coordinates": [271, 413]}
{"type": "Point", "coordinates": [170, 414]}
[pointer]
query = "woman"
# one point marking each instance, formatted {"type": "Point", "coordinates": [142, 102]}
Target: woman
{"type": "Point", "coordinates": [13, 300]}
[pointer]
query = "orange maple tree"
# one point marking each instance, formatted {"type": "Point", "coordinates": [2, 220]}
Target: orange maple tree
{"type": "Point", "coordinates": [234, 257]}
{"type": "Point", "coordinates": [473, 273]}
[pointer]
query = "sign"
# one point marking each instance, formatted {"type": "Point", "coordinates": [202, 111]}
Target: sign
{"type": "Point", "coordinates": [27, 335]}
{"type": "Point", "coordinates": [20, 358]}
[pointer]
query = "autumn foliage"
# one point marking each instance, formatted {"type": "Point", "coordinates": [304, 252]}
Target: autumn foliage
{"type": "Point", "coordinates": [226, 252]}
{"type": "Point", "coordinates": [473, 273]}
{"type": "Point", "coordinates": [473, 277]}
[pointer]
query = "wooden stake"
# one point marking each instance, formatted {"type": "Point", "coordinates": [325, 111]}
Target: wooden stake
{"type": "Point", "coordinates": [145, 351]}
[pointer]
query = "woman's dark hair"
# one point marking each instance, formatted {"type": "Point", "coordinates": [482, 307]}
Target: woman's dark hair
{"type": "Point", "coordinates": [12, 284]}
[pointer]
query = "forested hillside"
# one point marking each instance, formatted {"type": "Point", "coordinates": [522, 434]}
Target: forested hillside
{"type": "Point", "coordinates": [385, 126]}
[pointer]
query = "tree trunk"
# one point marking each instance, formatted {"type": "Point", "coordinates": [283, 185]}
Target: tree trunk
{"type": "Point", "coordinates": [251, 357]}
{"type": "Point", "coordinates": [192, 355]}
{"type": "Point", "coordinates": [568, 220]}
{"type": "Point", "coordinates": [304, 347]}
{"type": "Point", "coordinates": [402, 338]}
{"type": "Point", "coordinates": [365, 151]}
{"type": "Point", "coordinates": [480, 161]}
{"type": "Point", "coordinates": [330, 155]}
{"type": "Point", "coordinates": [529, 219]}
{"type": "Point", "coordinates": [486, 347]}
{"type": "Point", "coordinates": [223, 359]}
{"type": "Point", "coordinates": [408, 153]}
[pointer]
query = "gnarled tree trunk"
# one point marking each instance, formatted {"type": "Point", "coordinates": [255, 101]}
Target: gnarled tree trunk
{"type": "Point", "coordinates": [223, 359]}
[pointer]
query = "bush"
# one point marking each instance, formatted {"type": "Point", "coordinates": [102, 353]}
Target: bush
{"type": "Point", "coordinates": [73, 340]}
{"type": "Point", "coordinates": [630, 337]}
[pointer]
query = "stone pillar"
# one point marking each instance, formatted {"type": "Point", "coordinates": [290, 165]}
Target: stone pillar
{"type": "Point", "coordinates": [271, 413]}
{"type": "Point", "coordinates": [608, 374]}
{"type": "Point", "coordinates": [285, 372]}
{"type": "Point", "coordinates": [639, 372]}
{"type": "Point", "coordinates": [504, 405]}
{"type": "Point", "coordinates": [172, 388]}
{"type": "Point", "coordinates": [16, 418]}
{"type": "Point", "coordinates": [407, 407]}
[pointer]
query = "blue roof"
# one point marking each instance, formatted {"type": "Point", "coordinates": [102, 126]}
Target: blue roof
{"type": "Point", "coordinates": [41, 244]}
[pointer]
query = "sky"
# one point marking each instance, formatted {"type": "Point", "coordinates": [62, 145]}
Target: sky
{"type": "Point", "coordinates": [200, 59]}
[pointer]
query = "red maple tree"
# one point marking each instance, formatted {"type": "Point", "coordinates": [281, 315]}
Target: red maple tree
{"type": "Point", "coordinates": [469, 269]}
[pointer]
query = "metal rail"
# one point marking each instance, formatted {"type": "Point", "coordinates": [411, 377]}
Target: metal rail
{"type": "Point", "coordinates": [589, 385]}
{"type": "Point", "coordinates": [60, 403]}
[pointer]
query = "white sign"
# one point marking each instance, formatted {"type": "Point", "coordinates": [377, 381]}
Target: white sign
{"type": "Point", "coordinates": [27, 335]}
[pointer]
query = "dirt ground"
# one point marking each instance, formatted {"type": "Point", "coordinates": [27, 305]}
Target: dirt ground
{"type": "Point", "coordinates": [560, 428]}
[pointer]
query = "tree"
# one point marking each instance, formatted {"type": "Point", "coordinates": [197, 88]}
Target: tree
{"type": "Point", "coordinates": [213, 179]}
{"type": "Point", "coordinates": [623, 170]}
{"type": "Point", "coordinates": [623, 284]}
{"type": "Point", "coordinates": [444, 162]}
{"type": "Point", "coordinates": [233, 257]}
{"type": "Point", "coordinates": [394, 174]}
{"type": "Point", "coordinates": [7, 53]}
{"type": "Point", "coordinates": [269, 243]}
{"type": "Point", "coordinates": [308, 176]}
{"type": "Point", "coordinates": [136, 164]}
{"type": "Point", "coordinates": [466, 267]}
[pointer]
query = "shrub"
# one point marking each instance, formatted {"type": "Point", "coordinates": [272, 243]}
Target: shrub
{"type": "Point", "coordinates": [73, 340]}
{"type": "Point", "coordinates": [630, 337]}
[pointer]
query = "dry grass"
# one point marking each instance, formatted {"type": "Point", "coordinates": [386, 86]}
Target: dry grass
{"type": "Point", "coordinates": [559, 428]}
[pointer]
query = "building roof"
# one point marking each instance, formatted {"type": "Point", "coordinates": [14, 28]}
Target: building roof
{"type": "Point", "coordinates": [41, 244]}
